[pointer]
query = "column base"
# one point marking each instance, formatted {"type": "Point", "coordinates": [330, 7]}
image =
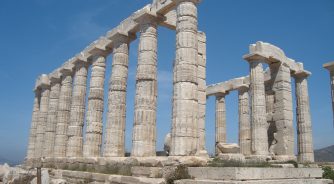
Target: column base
{"type": "Point", "coordinates": [284, 158]}
{"type": "Point", "coordinates": [259, 158]}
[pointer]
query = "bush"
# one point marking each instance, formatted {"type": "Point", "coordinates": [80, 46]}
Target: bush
{"type": "Point", "coordinates": [328, 173]}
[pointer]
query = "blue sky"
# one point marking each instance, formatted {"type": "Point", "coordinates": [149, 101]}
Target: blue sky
{"type": "Point", "coordinates": [37, 36]}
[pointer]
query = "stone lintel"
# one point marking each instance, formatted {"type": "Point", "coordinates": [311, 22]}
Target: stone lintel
{"type": "Point", "coordinates": [180, 1]}
{"type": "Point", "coordinates": [258, 57]}
{"type": "Point", "coordinates": [101, 47]}
{"type": "Point", "coordinates": [162, 6]}
{"type": "Point", "coordinates": [148, 17]}
{"type": "Point", "coordinates": [117, 36]}
{"type": "Point", "coordinates": [227, 86]}
{"type": "Point", "coordinates": [329, 66]}
{"type": "Point", "coordinates": [55, 76]}
{"type": "Point", "coordinates": [67, 68]}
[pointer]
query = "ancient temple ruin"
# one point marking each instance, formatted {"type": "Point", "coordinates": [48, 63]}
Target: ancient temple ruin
{"type": "Point", "coordinates": [266, 130]}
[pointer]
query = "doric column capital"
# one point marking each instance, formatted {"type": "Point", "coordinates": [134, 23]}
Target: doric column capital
{"type": "Point", "coordinates": [66, 69]}
{"type": "Point", "coordinates": [329, 66]}
{"type": "Point", "coordinates": [55, 77]}
{"type": "Point", "coordinates": [44, 81]}
{"type": "Point", "coordinates": [222, 94]}
{"type": "Point", "coordinates": [119, 37]}
{"type": "Point", "coordinates": [180, 1]}
{"type": "Point", "coordinates": [243, 88]}
{"type": "Point", "coordinates": [148, 18]}
{"type": "Point", "coordinates": [100, 47]}
{"type": "Point", "coordinates": [301, 74]}
{"type": "Point", "coordinates": [256, 57]}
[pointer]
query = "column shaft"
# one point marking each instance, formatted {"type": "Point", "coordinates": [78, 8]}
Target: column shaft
{"type": "Point", "coordinates": [283, 111]}
{"type": "Point", "coordinates": [220, 121]}
{"type": "Point", "coordinates": [42, 119]}
{"type": "Point", "coordinates": [184, 134]}
{"type": "Point", "coordinates": [258, 110]}
{"type": "Point", "coordinates": [244, 122]}
{"type": "Point", "coordinates": [201, 74]}
{"type": "Point", "coordinates": [115, 128]}
{"type": "Point", "coordinates": [34, 122]}
{"type": "Point", "coordinates": [50, 130]}
{"type": "Point", "coordinates": [77, 112]}
{"type": "Point", "coordinates": [144, 130]}
{"type": "Point", "coordinates": [93, 140]}
{"type": "Point", "coordinates": [304, 124]}
{"type": "Point", "coordinates": [63, 115]}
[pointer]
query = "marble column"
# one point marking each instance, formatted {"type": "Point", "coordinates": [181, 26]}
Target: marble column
{"type": "Point", "coordinates": [42, 115]}
{"type": "Point", "coordinates": [34, 122]}
{"type": "Point", "coordinates": [63, 114]}
{"type": "Point", "coordinates": [283, 111]}
{"type": "Point", "coordinates": [184, 134]}
{"type": "Point", "coordinates": [330, 68]}
{"type": "Point", "coordinates": [259, 123]}
{"type": "Point", "coordinates": [115, 128]}
{"type": "Point", "coordinates": [220, 121]}
{"type": "Point", "coordinates": [50, 130]}
{"type": "Point", "coordinates": [144, 127]}
{"type": "Point", "coordinates": [74, 146]}
{"type": "Point", "coordinates": [244, 121]}
{"type": "Point", "coordinates": [201, 74]}
{"type": "Point", "coordinates": [94, 117]}
{"type": "Point", "coordinates": [304, 122]}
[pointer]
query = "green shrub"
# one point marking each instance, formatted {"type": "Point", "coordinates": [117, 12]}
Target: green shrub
{"type": "Point", "coordinates": [328, 173]}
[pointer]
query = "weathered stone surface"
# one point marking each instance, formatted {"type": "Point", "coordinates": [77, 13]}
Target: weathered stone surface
{"type": "Point", "coordinates": [93, 141]}
{"type": "Point", "coordinates": [115, 127]}
{"type": "Point", "coordinates": [42, 115]}
{"type": "Point", "coordinates": [244, 121]}
{"type": "Point", "coordinates": [304, 124]}
{"type": "Point", "coordinates": [280, 181]}
{"type": "Point", "coordinates": [283, 112]}
{"type": "Point", "coordinates": [144, 126]}
{"type": "Point", "coordinates": [220, 121]}
{"type": "Point", "coordinates": [185, 107]}
{"type": "Point", "coordinates": [33, 127]}
{"type": "Point", "coordinates": [63, 114]}
{"type": "Point", "coordinates": [148, 172]}
{"type": "Point", "coordinates": [201, 74]}
{"type": "Point", "coordinates": [74, 146]}
{"type": "Point", "coordinates": [50, 129]}
{"type": "Point", "coordinates": [228, 148]}
{"type": "Point", "coordinates": [167, 142]}
{"type": "Point", "coordinates": [249, 173]}
{"type": "Point", "coordinates": [258, 110]}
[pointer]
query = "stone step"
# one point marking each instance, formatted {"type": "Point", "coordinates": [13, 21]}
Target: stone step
{"type": "Point", "coordinates": [249, 173]}
{"type": "Point", "coordinates": [148, 172]}
{"type": "Point", "coordinates": [117, 179]}
{"type": "Point", "coordinates": [281, 181]}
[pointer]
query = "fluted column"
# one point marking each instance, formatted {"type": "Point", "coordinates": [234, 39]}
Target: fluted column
{"type": "Point", "coordinates": [43, 115]}
{"type": "Point", "coordinates": [330, 68]}
{"type": "Point", "coordinates": [184, 134]}
{"type": "Point", "coordinates": [34, 122]}
{"type": "Point", "coordinates": [115, 128]}
{"type": "Point", "coordinates": [50, 130]}
{"type": "Point", "coordinates": [77, 113]}
{"type": "Point", "coordinates": [144, 127]}
{"type": "Point", "coordinates": [283, 111]}
{"type": "Point", "coordinates": [220, 121]}
{"type": "Point", "coordinates": [201, 74]}
{"type": "Point", "coordinates": [244, 121]}
{"type": "Point", "coordinates": [63, 114]}
{"type": "Point", "coordinates": [259, 123]}
{"type": "Point", "coordinates": [94, 117]}
{"type": "Point", "coordinates": [304, 124]}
